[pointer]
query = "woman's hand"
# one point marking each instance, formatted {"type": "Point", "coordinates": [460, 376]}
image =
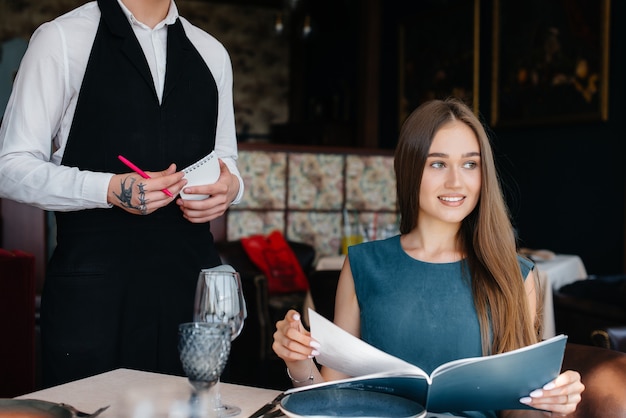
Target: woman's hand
{"type": "Point", "coordinates": [292, 342]}
{"type": "Point", "coordinates": [560, 397]}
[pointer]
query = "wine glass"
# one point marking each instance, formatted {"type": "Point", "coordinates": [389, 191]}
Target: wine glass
{"type": "Point", "coordinates": [203, 349]}
{"type": "Point", "coordinates": [219, 300]}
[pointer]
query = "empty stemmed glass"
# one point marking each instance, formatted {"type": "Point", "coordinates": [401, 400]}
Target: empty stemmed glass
{"type": "Point", "coordinates": [219, 300]}
{"type": "Point", "coordinates": [203, 349]}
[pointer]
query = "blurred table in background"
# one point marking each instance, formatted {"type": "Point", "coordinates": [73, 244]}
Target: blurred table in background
{"type": "Point", "coordinates": [334, 262]}
{"type": "Point", "coordinates": [554, 273]}
{"type": "Point", "coordinates": [562, 269]}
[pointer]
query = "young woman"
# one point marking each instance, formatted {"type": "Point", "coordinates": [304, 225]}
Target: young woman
{"type": "Point", "coordinates": [451, 285]}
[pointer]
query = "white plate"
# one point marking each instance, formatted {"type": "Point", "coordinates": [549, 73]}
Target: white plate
{"type": "Point", "coordinates": [343, 402]}
{"type": "Point", "coordinates": [32, 408]}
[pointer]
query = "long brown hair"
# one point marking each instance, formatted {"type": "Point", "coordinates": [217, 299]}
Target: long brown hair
{"type": "Point", "coordinates": [486, 236]}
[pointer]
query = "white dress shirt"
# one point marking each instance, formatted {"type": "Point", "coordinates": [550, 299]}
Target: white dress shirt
{"type": "Point", "coordinates": [39, 113]}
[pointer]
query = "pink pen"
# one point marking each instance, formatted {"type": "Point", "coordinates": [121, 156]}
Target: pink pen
{"type": "Point", "coordinates": [140, 172]}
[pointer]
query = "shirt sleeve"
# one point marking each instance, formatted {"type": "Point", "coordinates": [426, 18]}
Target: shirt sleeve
{"type": "Point", "coordinates": [217, 58]}
{"type": "Point", "coordinates": [30, 169]}
{"type": "Point", "coordinates": [226, 137]}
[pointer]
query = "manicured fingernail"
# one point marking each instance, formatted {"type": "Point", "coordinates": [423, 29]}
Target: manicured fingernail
{"type": "Point", "coordinates": [525, 400]}
{"type": "Point", "coordinates": [536, 393]}
{"type": "Point", "coordinates": [314, 344]}
{"type": "Point", "coordinates": [549, 386]}
{"type": "Point", "coordinates": [315, 353]}
{"type": "Point", "coordinates": [296, 317]}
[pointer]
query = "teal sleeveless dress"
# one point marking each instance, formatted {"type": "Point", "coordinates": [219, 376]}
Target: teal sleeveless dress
{"type": "Point", "coordinates": [420, 312]}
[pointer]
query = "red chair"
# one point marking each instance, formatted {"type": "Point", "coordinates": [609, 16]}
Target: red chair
{"type": "Point", "coordinates": [17, 323]}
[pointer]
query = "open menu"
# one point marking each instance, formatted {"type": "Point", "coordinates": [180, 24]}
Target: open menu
{"type": "Point", "coordinates": [495, 382]}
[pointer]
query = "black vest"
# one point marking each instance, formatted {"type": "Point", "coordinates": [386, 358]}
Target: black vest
{"type": "Point", "coordinates": [118, 112]}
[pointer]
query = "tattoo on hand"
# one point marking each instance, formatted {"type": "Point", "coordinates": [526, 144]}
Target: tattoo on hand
{"type": "Point", "coordinates": [126, 195]}
{"type": "Point", "coordinates": [142, 198]}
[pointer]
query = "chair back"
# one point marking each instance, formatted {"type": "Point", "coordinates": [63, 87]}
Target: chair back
{"type": "Point", "coordinates": [17, 323]}
{"type": "Point", "coordinates": [603, 373]}
{"type": "Point", "coordinates": [252, 361]}
{"type": "Point", "coordinates": [323, 286]}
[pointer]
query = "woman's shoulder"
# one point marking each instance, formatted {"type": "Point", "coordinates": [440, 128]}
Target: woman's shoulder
{"type": "Point", "coordinates": [378, 246]}
{"type": "Point", "coordinates": [525, 264]}
{"type": "Point", "coordinates": [375, 254]}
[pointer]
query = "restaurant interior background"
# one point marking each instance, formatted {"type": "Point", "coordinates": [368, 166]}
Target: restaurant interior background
{"type": "Point", "coordinates": [335, 79]}
{"type": "Point", "coordinates": [333, 86]}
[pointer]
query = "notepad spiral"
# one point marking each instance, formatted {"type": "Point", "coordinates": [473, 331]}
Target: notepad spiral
{"type": "Point", "coordinates": [199, 163]}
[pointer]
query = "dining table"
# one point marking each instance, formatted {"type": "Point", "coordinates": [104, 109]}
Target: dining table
{"type": "Point", "coordinates": [115, 388]}
{"type": "Point", "coordinates": [556, 271]}
{"type": "Point", "coordinates": [118, 387]}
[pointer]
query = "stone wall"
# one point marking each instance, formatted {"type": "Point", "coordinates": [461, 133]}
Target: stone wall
{"type": "Point", "coordinates": [260, 58]}
{"type": "Point", "coordinates": [315, 197]}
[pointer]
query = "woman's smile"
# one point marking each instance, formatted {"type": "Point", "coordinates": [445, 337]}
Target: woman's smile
{"type": "Point", "coordinates": [455, 200]}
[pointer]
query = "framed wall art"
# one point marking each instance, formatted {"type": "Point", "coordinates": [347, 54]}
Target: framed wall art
{"type": "Point", "coordinates": [439, 54]}
{"type": "Point", "coordinates": [550, 61]}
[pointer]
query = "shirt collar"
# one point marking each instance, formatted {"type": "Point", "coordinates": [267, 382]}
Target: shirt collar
{"type": "Point", "coordinates": [170, 19]}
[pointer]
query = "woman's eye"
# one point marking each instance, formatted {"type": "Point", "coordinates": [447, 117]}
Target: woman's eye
{"type": "Point", "coordinates": [437, 164]}
{"type": "Point", "coordinates": [470, 164]}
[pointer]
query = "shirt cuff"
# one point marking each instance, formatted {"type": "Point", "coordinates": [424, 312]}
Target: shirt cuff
{"type": "Point", "coordinates": [97, 189]}
{"type": "Point", "coordinates": [240, 193]}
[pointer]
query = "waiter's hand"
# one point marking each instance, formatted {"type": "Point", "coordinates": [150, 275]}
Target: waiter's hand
{"type": "Point", "coordinates": [221, 194]}
{"type": "Point", "coordinates": [140, 196]}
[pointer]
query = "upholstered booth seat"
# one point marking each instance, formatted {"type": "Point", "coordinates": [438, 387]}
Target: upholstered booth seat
{"type": "Point", "coordinates": [603, 372]}
{"type": "Point", "coordinates": [252, 361]}
{"type": "Point", "coordinates": [323, 284]}
{"type": "Point", "coordinates": [593, 311]}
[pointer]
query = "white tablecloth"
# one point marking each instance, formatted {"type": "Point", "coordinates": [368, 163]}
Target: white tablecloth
{"type": "Point", "coordinates": [114, 388]}
{"type": "Point", "coordinates": [334, 262]}
{"type": "Point", "coordinates": [554, 274]}
{"type": "Point", "coordinates": [562, 269]}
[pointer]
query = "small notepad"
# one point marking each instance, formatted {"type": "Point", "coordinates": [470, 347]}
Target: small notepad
{"type": "Point", "coordinates": [204, 171]}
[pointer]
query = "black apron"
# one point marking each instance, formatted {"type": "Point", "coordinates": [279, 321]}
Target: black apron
{"type": "Point", "coordinates": [119, 284]}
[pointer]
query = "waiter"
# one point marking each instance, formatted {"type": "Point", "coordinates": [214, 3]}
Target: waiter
{"type": "Point", "coordinates": [131, 78]}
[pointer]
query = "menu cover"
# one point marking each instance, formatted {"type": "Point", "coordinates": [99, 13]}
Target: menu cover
{"type": "Point", "coordinates": [203, 171]}
{"type": "Point", "coordinates": [495, 382]}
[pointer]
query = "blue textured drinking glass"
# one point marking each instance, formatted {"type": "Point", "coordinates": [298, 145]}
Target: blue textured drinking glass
{"type": "Point", "coordinates": [204, 349]}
